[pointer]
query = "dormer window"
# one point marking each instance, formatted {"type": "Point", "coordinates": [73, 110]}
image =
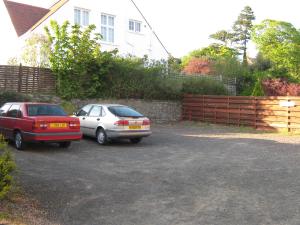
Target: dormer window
{"type": "Point", "coordinates": [81, 16]}
{"type": "Point", "coordinates": [135, 26]}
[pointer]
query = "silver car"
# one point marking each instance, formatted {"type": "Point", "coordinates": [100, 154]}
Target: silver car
{"type": "Point", "coordinates": [111, 121]}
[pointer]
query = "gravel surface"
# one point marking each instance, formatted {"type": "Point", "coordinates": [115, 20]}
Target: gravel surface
{"type": "Point", "coordinates": [183, 174]}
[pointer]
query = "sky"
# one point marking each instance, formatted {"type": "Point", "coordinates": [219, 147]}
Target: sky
{"type": "Point", "coordinates": [186, 25]}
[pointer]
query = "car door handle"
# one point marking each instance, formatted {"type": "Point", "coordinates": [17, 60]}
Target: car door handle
{"type": "Point", "coordinates": [98, 119]}
{"type": "Point", "coordinates": [83, 118]}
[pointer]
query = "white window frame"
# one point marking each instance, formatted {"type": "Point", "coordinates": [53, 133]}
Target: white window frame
{"type": "Point", "coordinates": [83, 21]}
{"type": "Point", "coordinates": [108, 27]}
{"type": "Point", "coordinates": [135, 22]}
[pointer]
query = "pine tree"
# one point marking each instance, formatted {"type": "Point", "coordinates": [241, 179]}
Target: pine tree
{"type": "Point", "coordinates": [242, 30]}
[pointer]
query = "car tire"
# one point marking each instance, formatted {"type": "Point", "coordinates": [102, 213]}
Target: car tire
{"type": "Point", "coordinates": [135, 140]}
{"type": "Point", "coordinates": [65, 144]}
{"type": "Point", "coordinates": [101, 136]}
{"type": "Point", "coordinates": [18, 141]}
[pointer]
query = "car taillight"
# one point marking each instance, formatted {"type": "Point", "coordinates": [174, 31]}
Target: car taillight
{"type": "Point", "coordinates": [40, 125]}
{"type": "Point", "coordinates": [146, 122]}
{"type": "Point", "coordinates": [74, 125]}
{"type": "Point", "coordinates": [122, 123]}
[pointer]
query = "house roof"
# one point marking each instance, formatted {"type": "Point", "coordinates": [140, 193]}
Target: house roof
{"type": "Point", "coordinates": [53, 9]}
{"type": "Point", "coordinates": [27, 17]}
{"type": "Point", "coordinates": [24, 16]}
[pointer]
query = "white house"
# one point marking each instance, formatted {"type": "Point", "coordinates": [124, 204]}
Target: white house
{"type": "Point", "coordinates": [120, 23]}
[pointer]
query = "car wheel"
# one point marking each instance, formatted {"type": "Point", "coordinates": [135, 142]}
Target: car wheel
{"type": "Point", "coordinates": [135, 140]}
{"type": "Point", "coordinates": [19, 142]}
{"type": "Point", "coordinates": [65, 144]}
{"type": "Point", "coordinates": [101, 136]}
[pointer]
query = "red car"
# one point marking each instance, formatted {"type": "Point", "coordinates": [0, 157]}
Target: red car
{"type": "Point", "coordinates": [44, 122]}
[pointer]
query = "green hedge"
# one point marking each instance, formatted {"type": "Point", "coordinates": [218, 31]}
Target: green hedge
{"type": "Point", "coordinates": [7, 167]}
{"type": "Point", "coordinates": [203, 86]}
{"type": "Point", "coordinates": [9, 96]}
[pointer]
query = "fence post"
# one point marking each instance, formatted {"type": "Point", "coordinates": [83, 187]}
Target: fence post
{"type": "Point", "coordinates": [20, 78]}
{"type": "Point", "coordinates": [255, 112]}
{"type": "Point", "coordinates": [288, 115]}
{"type": "Point", "coordinates": [203, 117]}
{"type": "Point", "coordinates": [228, 113]}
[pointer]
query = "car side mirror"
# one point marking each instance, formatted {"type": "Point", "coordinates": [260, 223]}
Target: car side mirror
{"type": "Point", "coordinates": [74, 113]}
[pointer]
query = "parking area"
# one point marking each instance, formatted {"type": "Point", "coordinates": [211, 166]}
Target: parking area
{"type": "Point", "coordinates": [182, 174]}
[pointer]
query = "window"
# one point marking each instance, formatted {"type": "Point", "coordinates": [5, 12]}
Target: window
{"type": "Point", "coordinates": [124, 111]}
{"type": "Point", "coordinates": [14, 111]}
{"type": "Point", "coordinates": [4, 109]}
{"type": "Point", "coordinates": [84, 111]}
{"type": "Point", "coordinates": [81, 16]}
{"type": "Point", "coordinates": [107, 28]}
{"type": "Point", "coordinates": [96, 111]}
{"type": "Point", "coordinates": [45, 110]}
{"type": "Point", "coordinates": [135, 26]}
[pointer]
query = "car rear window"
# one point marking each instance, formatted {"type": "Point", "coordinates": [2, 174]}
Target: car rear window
{"type": "Point", "coordinates": [45, 110]}
{"type": "Point", "coordinates": [124, 111]}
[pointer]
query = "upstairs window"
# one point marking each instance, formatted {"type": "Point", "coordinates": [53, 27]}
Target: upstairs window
{"type": "Point", "coordinates": [81, 16]}
{"type": "Point", "coordinates": [135, 26]}
{"type": "Point", "coordinates": [108, 28]}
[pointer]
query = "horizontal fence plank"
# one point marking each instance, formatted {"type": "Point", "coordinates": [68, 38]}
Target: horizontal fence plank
{"type": "Point", "coordinates": [259, 112]}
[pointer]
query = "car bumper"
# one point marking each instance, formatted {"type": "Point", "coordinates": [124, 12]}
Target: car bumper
{"type": "Point", "coordinates": [65, 136]}
{"type": "Point", "coordinates": [127, 133]}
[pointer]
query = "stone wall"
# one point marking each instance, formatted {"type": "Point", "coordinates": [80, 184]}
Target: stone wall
{"type": "Point", "coordinates": [157, 111]}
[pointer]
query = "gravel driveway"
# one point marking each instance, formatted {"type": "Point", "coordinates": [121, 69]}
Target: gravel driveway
{"type": "Point", "coordinates": [182, 174]}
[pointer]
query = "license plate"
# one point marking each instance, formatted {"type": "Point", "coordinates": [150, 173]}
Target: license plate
{"type": "Point", "coordinates": [58, 125]}
{"type": "Point", "coordinates": [135, 127]}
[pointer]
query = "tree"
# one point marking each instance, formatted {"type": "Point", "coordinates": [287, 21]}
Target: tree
{"type": "Point", "coordinates": [198, 66]}
{"type": "Point", "coordinates": [36, 51]}
{"type": "Point", "coordinates": [76, 60]}
{"type": "Point", "coordinates": [242, 30]}
{"type": "Point", "coordinates": [279, 42]}
{"type": "Point", "coordinates": [212, 52]}
{"type": "Point", "coordinates": [223, 36]}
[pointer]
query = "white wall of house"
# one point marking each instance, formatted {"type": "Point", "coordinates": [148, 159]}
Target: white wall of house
{"type": "Point", "coordinates": [128, 42]}
{"type": "Point", "coordinates": [9, 42]}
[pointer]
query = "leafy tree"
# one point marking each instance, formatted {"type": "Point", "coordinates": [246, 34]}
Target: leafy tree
{"type": "Point", "coordinates": [36, 51]}
{"type": "Point", "coordinates": [212, 52]}
{"type": "Point", "coordinates": [76, 60]}
{"type": "Point", "coordinates": [279, 42]}
{"type": "Point", "coordinates": [242, 30]}
{"type": "Point", "coordinates": [223, 36]}
{"type": "Point", "coordinates": [13, 61]}
{"type": "Point", "coordinates": [198, 66]}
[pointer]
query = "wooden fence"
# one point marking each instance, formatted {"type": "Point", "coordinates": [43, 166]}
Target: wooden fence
{"type": "Point", "coordinates": [25, 79]}
{"type": "Point", "coordinates": [266, 113]}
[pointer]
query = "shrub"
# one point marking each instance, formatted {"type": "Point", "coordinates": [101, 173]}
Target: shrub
{"type": "Point", "coordinates": [7, 167]}
{"type": "Point", "coordinates": [68, 107]}
{"type": "Point", "coordinates": [10, 96]}
{"type": "Point", "coordinates": [203, 86]}
{"type": "Point", "coordinates": [280, 87]}
{"type": "Point", "coordinates": [198, 66]}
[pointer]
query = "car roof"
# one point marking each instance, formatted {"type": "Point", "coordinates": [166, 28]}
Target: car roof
{"type": "Point", "coordinates": [31, 103]}
{"type": "Point", "coordinates": [107, 104]}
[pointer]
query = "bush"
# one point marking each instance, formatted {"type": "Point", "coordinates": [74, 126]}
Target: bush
{"type": "Point", "coordinates": [10, 96]}
{"type": "Point", "coordinates": [203, 86]}
{"type": "Point", "coordinates": [68, 107]}
{"type": "Point", "coordinates": [7, 167]}
{"type": "Point", "coordinates": [280, 87]}
{"type": "Point", "coordinates": [198, 66]}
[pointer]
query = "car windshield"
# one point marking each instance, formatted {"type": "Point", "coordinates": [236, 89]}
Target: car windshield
{"type": "Point", "coordinates": [124, 111]}
{"type": "Point", "coordinates": [45, 110]}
